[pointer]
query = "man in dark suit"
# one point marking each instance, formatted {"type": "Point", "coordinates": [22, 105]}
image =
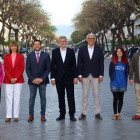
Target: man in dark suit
{"type": "Point", "coordinates": [64, 75]}
{"type": "Point", "coordinates": [37, 69]}
{"type": "Point", "coordinates": [132, 51]}
{"type": "Point", "coordinates": [90, 71]}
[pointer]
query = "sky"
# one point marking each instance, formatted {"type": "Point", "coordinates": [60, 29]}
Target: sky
{"type": "Point", "coordinates": [61, 11]}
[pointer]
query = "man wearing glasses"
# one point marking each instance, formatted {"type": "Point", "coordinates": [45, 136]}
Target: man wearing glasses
{"type": "Point", "coordinates": [90, 71]}
{"type": "Point", "coordinates": [64, 76]}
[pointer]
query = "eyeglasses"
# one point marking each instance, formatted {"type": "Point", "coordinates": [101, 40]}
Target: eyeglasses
{"type": "Point", "coordinates": [62, 41]}
{"type": "Point", "coordinates": [91, 38]}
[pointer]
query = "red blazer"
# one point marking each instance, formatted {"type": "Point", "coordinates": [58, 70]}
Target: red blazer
{"type": "Point", "coordinates": [16, 72]}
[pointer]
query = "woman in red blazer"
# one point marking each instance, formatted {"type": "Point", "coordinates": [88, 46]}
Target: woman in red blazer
{"type": "Point", "coordinates": [13, 79]}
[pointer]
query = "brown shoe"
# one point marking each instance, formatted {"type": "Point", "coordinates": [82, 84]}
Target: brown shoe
{"type": "Point", "coordinates": [31, 118]}
{"type": "Point", "coordinates": [43, 118]}
{"type": "Point", "coordinates": [7, 119]}
{"type": "Point", "coordinates": [114, 117]}
{"type": "Point", "coordinates": [119, 117]}
{"type": "Point", "coordinates": [15, 119]}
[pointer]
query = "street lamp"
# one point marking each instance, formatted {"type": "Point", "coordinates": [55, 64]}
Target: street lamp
{"type": "Point", "coordinates": [16, 32]}
{"type": "Point", "coordinates": [96, 37]}
{"type": "Point", "coordinates": [34, 36]}
{"type": "Point", "coordinates": [132, 18]}
{"type": "Point", "coordinates": [113, 31]}
{"type": "Point", "coordinates": [27, 42]}
{"type": "Point", "coordinates": [102, 32]}
{"type": "Point", "coordinates": [39, 37]}
{"type": "Point", "coordinates": [46, 42]}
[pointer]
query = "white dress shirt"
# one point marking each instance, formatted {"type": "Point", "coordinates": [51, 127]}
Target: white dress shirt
{"type": "Point", "coordinates": [37, 52]}
{"type": "Point", "coordinates": [63, 54]}
{"type": "Point", "coordinates": [90, 51]}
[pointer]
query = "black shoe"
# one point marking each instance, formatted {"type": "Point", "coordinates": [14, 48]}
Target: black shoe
{"type": "Point", "coordinates": [98, 117]}
{"type": "Point", "coordinates": [60, 118]}
{"type": "Point", "coordinates": [82, 117]}
{"type": "Point", "coordinates": [72, 118]}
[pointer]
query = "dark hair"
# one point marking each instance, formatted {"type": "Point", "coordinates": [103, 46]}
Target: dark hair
{"type": "Point", "coordinates": [38, 41]}
{"type": "Point", "coordinates": [124, 56]}
{"type": "Point", "coordinates": [13, 43]}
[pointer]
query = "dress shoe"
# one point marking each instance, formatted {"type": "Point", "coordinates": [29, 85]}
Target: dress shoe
{"type": "Point", "coordinates": [43, 119]}
{"type": "Point", "coordinates": [7, 119]}
{"type": "Point", "coordinates": [60, 118]}
{"type": "Point", "coordinates": [98, 117]}
{"type": "Point", "coordinates": [31, 118]}
{"type": "Point", "coordinates": [72, 118]}
{"type": "Point", "coordinates": [82, 117]}
{"type": "Point", "coordinates": [15, 119]}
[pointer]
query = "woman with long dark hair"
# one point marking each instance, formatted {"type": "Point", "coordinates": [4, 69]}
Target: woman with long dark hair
{"type": "Point", "coordinates": [13, 79]}
{"type": "Point", "coordinates": [118, 72]}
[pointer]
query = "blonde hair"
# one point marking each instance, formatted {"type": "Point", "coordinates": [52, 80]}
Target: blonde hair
{"type": "Point", "coordinates": [13, 43]}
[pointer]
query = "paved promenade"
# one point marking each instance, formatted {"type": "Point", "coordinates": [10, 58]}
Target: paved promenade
{"type": "Point", "coordinates": [89, 129]}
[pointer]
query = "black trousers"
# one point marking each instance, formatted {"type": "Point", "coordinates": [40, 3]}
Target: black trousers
{"type": "Point", "coordinates": [118, 101]}
{"type": "Point", "coordinates": [69, 86]}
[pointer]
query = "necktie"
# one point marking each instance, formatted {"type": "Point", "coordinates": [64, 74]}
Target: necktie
{"type": "Point", "coordinates": [37, 57]}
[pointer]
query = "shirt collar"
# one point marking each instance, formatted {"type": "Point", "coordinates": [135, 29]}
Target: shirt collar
{"type": "Point", "coordinates": [90, 48]}
{"type": "Point", "coordinates": [38, 52]}
{"type": "Point", "coordinates": [63, 50]}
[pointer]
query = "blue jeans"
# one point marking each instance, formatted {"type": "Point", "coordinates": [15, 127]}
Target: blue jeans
{"type": "Point", "coordinates": [42, 93]}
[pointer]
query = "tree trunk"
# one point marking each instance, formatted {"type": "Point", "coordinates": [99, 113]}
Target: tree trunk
{"type": "Point", "coordinates": [9, 34]}
{"type": "Point", "coordinates": [3, 39]}
{"type": "Point", "coordinates": [119, 39]}
{"type": "Point", "coordinates": [106, 44]}
{"type": "Point", "coordinates": [125, 42]}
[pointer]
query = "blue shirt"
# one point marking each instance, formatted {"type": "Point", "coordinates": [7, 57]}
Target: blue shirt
{"type": "Point", "coordinates": [120, 78]}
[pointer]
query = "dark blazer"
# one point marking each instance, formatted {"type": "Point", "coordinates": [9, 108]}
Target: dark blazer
{"type": "Point", "coordinates": [112, 71]}
{"type": "Point", "coordinates": [95, 66]}
{"type": "Point", "coordinates": [68, 68]}
{"type": "Point", "coordinates": [13, 72]}
{"type": "Point", "coordinates": [40, 70]}
{"type": "Point", "coordinates": [132, 51]}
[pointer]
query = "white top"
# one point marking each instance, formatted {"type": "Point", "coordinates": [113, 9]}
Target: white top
{"type": "Point", "coordinates": [90, 51]}
{"type": "Point", "coordinates": [63, 54]}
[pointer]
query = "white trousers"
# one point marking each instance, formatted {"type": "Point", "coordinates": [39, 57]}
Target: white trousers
{"type": "Point", "coordinates": [12, 90]}
{"type": "Point", "coordinates": [95, 90]}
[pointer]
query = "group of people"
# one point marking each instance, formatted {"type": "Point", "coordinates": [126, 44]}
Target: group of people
{"type": "Point", "coordinates": [64, 74]}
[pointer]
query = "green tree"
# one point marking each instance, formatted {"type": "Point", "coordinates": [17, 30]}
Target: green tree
{"type": "Point", "coordinates": [74, 36]}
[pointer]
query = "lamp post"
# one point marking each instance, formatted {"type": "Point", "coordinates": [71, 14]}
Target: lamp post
{"type": "Point", "coordinates": [102, 32]}
{"type": "Point", "coordinates": [113, 30]}
{"type": "Point", "coordinates": [46, 42]}
{"type": "Point", "coordinates": [39, 37]}
{"type": "Point", "coordinates": [132, 18]}
{"type": "Point", "coordinates": [34, 36]}
{"type": "Point", "coordinates": [27, 42]}
{"type": "Point", "coordinates": [16, 32]}
{"type": "Point", "coordinates": [96, 37]}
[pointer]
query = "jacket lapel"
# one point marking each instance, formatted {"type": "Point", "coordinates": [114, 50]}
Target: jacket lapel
{"type": "Point", "coordinates": [95, 50]}
{"type": "Point", "coordinates": [34, 57]}
{"type": "Point", "coordinates": [41, 55]}
{"type": "Point", "coordinates": [67, 54]}
{"type": "Point", "coordinates": [86, 51]}
{"type": "Point", "coordinates": [16, 60]}
{"type": "Point", "coordinates": [59, 55]}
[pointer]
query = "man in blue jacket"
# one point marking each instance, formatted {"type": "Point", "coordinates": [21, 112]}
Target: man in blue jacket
{"type": "Point", "coordinates": [132, 51]}
{"type": "Point", "coordinates": [90, 71]}
{"type": "Point", "coordinates": [37, 69]}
